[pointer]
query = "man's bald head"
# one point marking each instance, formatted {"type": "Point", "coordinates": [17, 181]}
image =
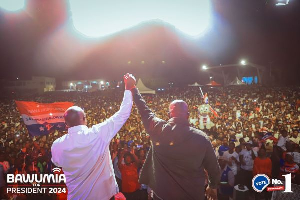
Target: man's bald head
{"type": "Point", "coordinates": [179, 108]}
{"type": "Point", "coordinates": [74, 116]}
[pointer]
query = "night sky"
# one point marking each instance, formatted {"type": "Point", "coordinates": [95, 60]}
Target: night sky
{"type": "Point", "coordinates": [39, 41]}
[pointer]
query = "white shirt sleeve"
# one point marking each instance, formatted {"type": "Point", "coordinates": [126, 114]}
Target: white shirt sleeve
{"type": "Point", "coordinates": [55, 154]}
{"type": "Point", "coordinates": [109, 128]}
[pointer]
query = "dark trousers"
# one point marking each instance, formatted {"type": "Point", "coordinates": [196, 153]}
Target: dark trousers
{"type": "Point", "coordinates": [2, 192]}
{"type": "Point", "coordinates": [222, 197]}
{"type": "Point", "coordinates": [245, 177]}
{"type": "Point", "coordinates": [137, 195]}
{"type": "Point", "coordinates": [265, 195]}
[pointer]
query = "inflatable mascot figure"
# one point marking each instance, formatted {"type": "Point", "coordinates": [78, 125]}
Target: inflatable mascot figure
{"type": "Point", "coordinates": [204, 112]}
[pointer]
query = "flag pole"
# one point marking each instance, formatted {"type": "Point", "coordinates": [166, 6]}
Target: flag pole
{"type": "Point", "coordinates": [201, 92]}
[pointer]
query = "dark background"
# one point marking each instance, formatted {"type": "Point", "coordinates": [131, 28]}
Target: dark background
{"type": "Point", "coordinates": [38, 41]}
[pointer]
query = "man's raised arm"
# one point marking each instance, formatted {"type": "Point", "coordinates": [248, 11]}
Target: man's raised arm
{"type": "Point", "coordinates": [109, 128]}
{"type": "Point", "coordinates": [149, 119]}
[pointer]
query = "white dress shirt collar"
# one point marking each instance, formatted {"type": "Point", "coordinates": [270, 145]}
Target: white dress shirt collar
{"type": "Point", "coordinates": [78, 128]}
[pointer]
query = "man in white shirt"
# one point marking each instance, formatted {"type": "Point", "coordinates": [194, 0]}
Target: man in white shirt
{"type": "Point", "coordinates": [193, 120]}
{"type": "Point", "coordinates": [246, 158]}
{"type": "Point", "coordinates": [232, 157]}
{"type": "Point", "coordinates": [283, 139]}
{"type": "Point", "coordinates": [83, 153]}
{"type": "Point", "coordinates": [295, 137]}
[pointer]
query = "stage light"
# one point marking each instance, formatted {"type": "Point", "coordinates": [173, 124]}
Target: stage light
{"type": "Point", "coordinates": [98, 18]}
{"type": "Point", "coordinates": [71, 84]}
{"type": "Point", "coordinates": [101, 82]}
{"type": "Point", "coordinates": [204, 67]}
{"type": "Point", "coordinates": [243, 62]}
{"type": "Point", "coordinates": [163, 62]}
{"type": "Point", "coordinates": [129, 62]}
{"type": "Point", "coordinates": [282, 2]}
{"type": "Point", "coordinates": [210, 77]}
{"type": "Point", "coordinates": [142, 62]}
{"type": "Point", "coordinates": [12, 6]}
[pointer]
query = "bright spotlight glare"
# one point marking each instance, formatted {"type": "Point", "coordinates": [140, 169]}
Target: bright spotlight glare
{"type": "Point", "coordinates": [204, 67]}
{"type": "Point", "coordinates": [243, 62]}
{"type": "Point", "coordinates": [12, 6]}
{"type": "Point", "coordinates": [282, 2]}
{"type": "Point", "coordinates": [98, 18]}
{"type": "Point", "coordinates": [101, 82]}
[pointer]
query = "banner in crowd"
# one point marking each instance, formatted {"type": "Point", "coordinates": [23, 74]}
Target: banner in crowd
{"type": "Point", "coordinates": [43, 118]}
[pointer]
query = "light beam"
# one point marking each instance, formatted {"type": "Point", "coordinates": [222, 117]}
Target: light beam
{"type": "Point", "coordinates": [12, 6]}
{"type": "Point", "coordinates": [98, 18]}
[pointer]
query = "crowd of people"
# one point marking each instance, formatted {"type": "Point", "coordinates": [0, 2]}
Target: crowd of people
{"type": "Point", "coordinates": [256, 131]}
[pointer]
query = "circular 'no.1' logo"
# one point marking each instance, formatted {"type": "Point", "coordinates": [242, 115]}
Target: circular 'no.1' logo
{"type": "Point", "coordinates": [260, 182]}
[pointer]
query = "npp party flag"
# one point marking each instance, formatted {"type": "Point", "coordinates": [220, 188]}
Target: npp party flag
{"type": "Point", "coordinates": [43, 118]}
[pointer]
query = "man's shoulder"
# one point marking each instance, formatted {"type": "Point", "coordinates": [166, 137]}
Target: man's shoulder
{"type": "Point", "coordinates": [198, 133]}
{"type": "Point", "coordinates": [59, 141]}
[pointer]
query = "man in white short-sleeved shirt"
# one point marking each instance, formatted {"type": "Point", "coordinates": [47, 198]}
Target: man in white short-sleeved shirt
{"type": "Point", "coordinates": [247, 157]}
{"type": "Point", "coordinates": [232, 157]}
{"type": "Point", "coordinates": [283, 139]}
{"type": "Point", "coordinates": [295, 137]}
